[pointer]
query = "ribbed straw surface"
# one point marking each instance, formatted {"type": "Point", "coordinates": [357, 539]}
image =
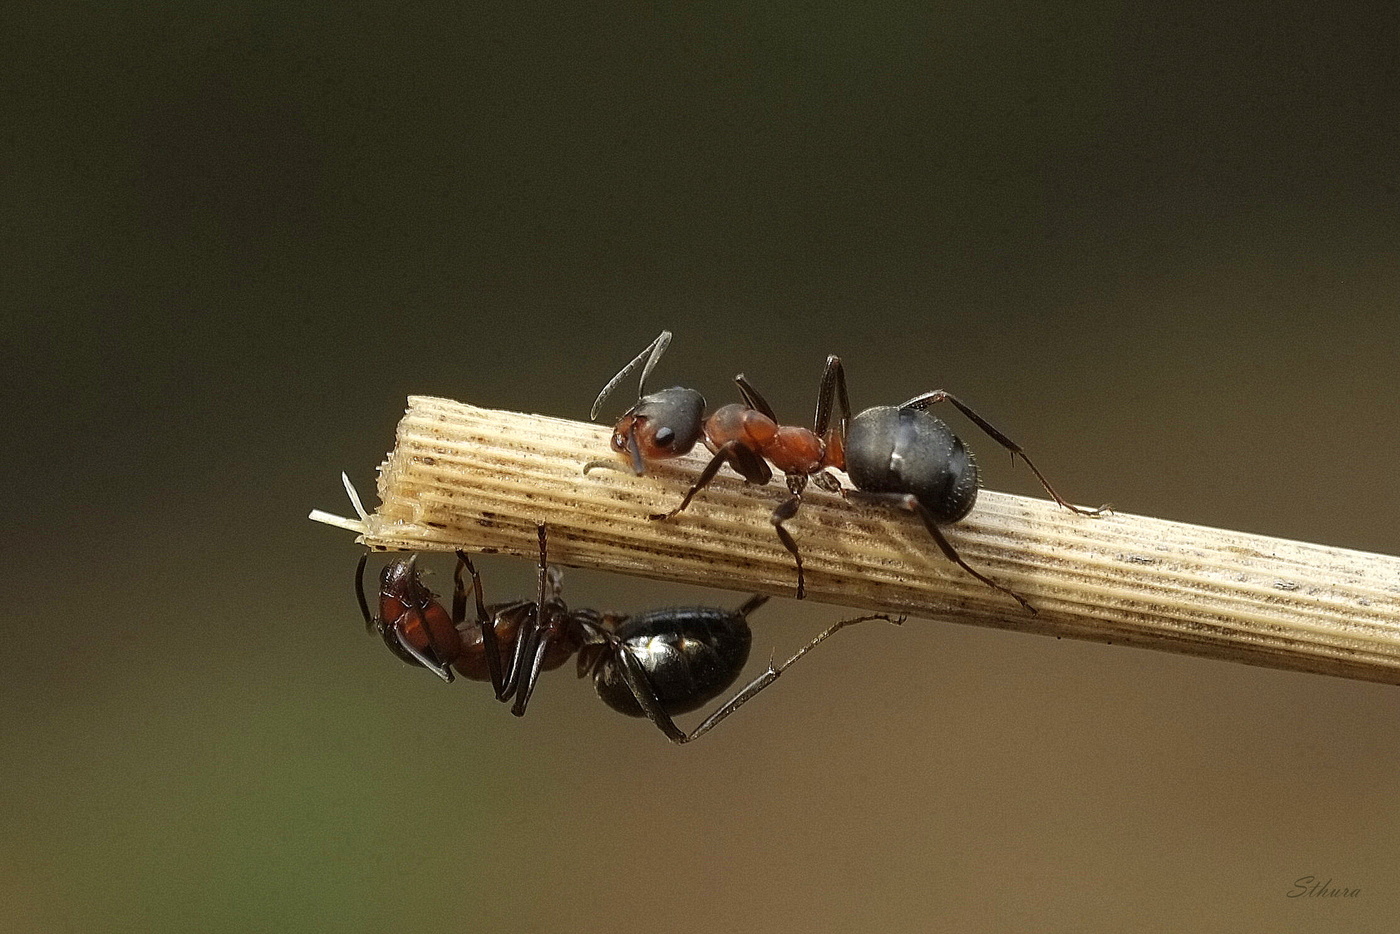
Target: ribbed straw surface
{"type": "Point", "coordinates": [461, 476]}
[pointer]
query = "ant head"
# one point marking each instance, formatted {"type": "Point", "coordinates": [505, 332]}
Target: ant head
{"type": "Point", "coordinates": [662, 425]}
{"type": "Point", "coordinates": [411, 622]}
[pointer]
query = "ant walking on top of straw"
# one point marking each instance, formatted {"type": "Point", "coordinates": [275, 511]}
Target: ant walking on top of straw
{"type": "Point", "coordinates": [899, 456]}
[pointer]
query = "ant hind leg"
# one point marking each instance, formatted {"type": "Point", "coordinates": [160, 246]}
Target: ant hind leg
{"type": "Point", "coordinates": [909, 503]}
{"type": "Point", "coordinates": [927, 399]}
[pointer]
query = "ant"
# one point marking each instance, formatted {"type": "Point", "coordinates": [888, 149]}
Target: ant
{"type": "Point", "coordinates": [655, 665]}
{"type": "Point", "coordinates": [899, 456]}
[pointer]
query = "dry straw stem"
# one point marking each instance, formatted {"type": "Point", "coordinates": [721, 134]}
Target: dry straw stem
{"type": "Point", "coordinates": [480, 479]}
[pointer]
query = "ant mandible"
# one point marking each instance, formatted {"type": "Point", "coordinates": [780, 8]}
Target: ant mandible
{"type": "Point", "coordinates": [899, 456]}
{"type": "Point", "coordinates": [656, 665]}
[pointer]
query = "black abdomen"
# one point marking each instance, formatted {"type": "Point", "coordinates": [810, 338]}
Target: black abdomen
{"type": "Point", "coordinates": [894, 450]}
{"type": "Point", "coordinates": [690, 655]}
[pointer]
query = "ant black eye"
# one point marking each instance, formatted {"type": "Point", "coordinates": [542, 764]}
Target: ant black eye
{"type": "Point", "coordinates": [665, 436]}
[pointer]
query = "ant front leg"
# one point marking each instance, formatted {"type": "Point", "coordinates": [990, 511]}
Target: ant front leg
{"type": "Point", "coordinates": [635, 677]}
{"type": "Point", "coordinates": [909, 503]}
{"type": "Point", "coordinates": [928, 399]}
{"type": "Point", "coordinates": [744, 460]}
{"type": "Point", "coordinates": [429, 661]}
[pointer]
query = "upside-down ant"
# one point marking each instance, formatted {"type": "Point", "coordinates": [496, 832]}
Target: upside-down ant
{"type": "Point", "coordinates": [655, 665]}
{"type": "Point", "coordinates": [899, 456]}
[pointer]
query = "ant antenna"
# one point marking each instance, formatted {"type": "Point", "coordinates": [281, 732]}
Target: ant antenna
{"type": "Point", "coordinates": [651, 354]}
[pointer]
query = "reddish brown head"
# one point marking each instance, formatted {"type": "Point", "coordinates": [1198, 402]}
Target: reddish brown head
{"type": "Point", "coordinates": [411, 620]}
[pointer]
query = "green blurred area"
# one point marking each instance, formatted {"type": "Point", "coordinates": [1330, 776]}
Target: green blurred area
{"type": "Point", "coordinates": [1158, 249]}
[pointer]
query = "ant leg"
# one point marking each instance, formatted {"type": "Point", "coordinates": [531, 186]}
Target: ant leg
{"type": "Point", "coordinates": [483, 621]}
{"type": "Point", "coordinates": [908, 502]}
{"type": "Point", "coordinates": [429, 662]}
{"type": "Point", "coordinates": [634, 450]}
{"type": "Point", "coordinates": [785, 511]}
{"type": "Point", "coordinates": [933, 398]}
{"type": "Point", "coordinates": [528, 632]}
{"type": "Point", "coordinates": [518, 618]}
{"type": "Point", "coordinates": [547, 629]}
{"type": "Point", "coordinates": [751, 604]}
{"type": "Point", "coordinates": [651, 354]}
{"type": "Point", "coordinates": [706, 475]}
{"type": "Point", "coordinates": [429, 659]}
{"type": "Point", "coordinates": [635, 677]}
{"type": "Point", "coordinates": [833, 384]}
{"type": "Point", "coordinates": [749, 465]}
{"type": "Point", "coordinates": [360, 591]}
{"type": "Point", "coordinates": [753, 398]}
{"type": "Point", "coordinates": [534, 642]}
{"type": "Point", "coordinates": [641, 689]}
{"type": "Point", "coordinates": [403, 651]}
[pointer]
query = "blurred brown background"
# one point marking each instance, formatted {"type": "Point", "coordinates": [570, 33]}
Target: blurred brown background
{"type": "Point", "coordinates": [1159, 250]}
